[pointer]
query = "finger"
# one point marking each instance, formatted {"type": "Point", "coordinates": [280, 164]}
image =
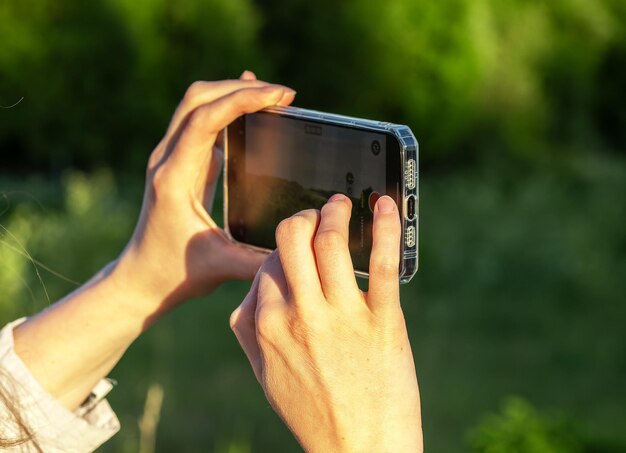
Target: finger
{"type": "Point", "coordinates": [226, 109]}
{"type": "Point", "coordinates": [287, 98]}
{"type": "Point", "coordinates": [331, 250]}
{"type": "Point", "coordinates": [384, 285]}
{"type": "Point", "coordinates": [205, 186]}
{"type": "Point", "coordinates": [294, 241]}
{"type": "Point", "coordinates": [243, 324]}
{"type": "Point", "coordinates": [192, 152]}
{"type": "Point", "coordinates": [273, 283]}
{"type": "Point", "coordinates": [218, 147]}
{"type": "Point", "coordinates": [247, 75]}
{"type": "Point", "coordinates": [201, 92]}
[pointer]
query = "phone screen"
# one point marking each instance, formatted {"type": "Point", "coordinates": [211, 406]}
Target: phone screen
{"type": "Point", "coordinates": [279, 165]}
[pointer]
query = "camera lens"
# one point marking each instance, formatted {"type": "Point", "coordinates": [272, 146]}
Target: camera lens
{"type": "Point", "coordinates": [376, 147]}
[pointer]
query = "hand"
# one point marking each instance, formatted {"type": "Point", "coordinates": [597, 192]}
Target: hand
{"type": "Point", "coordinates": [177, 251]}
{"type": "Point", "coordinates": [334, 362]}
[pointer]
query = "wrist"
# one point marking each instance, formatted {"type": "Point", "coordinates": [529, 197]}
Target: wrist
{"type": "Point", "coordinates": [140, 298]}
{"type": "Point", "coordinates": [73, 343]}
{"type": "Point", "coordinates": [380, 437]}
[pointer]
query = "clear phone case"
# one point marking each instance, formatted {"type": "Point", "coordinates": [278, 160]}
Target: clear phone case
{"type": "Point", "coordinates": [409, 149]}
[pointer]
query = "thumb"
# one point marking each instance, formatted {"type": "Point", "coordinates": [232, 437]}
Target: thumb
{"type": "Point", "coordinates": [239, 263]}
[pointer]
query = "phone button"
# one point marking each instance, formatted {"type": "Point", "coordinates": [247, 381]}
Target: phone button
{"type": "Point", "coordinates": [410, 174]}
{"type": "Point", "coordinates": [410, 237]}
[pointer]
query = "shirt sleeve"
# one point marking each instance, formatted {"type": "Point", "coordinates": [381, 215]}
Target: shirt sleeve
{"type": "Point", "coordinates": [55, 428]}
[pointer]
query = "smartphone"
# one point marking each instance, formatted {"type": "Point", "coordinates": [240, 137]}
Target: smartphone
{"type": "Point", "coordinates": [282, 160]}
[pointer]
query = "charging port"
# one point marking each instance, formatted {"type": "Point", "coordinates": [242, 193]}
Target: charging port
{"type": "Point", "coordinates": [410, 207]}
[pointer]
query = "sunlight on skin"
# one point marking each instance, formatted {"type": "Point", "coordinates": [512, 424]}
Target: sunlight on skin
{"type": "Point", "coordinates": [176, 252]}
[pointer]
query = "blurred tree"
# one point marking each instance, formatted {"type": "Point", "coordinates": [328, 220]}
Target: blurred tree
{"type": "Point", "coordinates": [100, 79]}
{"type": "Point", "coordinates": [69, 61]}
{"type": "Point", "coordinates": [475, 79]}
{"type": "Point", "coordinates": [515, 78]}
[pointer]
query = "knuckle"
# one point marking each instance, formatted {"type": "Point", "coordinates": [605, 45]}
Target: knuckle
{"type": "Point", "coordinates": [197, 118]}
{"type": "Point", "coordinates": [160, 181]}
{"type": "Point", "coordinates": [301, 224]}
{"type": "Point", "coordinates": [194, 90]}
{"type": "Point", "coordinates": [386, 267]}
{"type": "Point", "coordinates": [153, 161]}
{"type": "Point", "coordinates": [282, 231]}
{"type": "Point", "coordinates": [309, 214]}
{"type": "Point", "coordinates": [328, 240]}
{"type": "Point", "coordinates": [294, 226]}
{"type": "Point", "coordinates": [240, 318]}
{"type": "Point", "coordinates": [268, 323]}
{"type": "Point", "coordinates": [234, 317]}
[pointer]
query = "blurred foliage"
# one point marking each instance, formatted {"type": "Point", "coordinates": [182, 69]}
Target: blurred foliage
{"type": "Point", "coordinates": [517, 77]}
{"type": "Point", "coordinates": [92, 220]}
{"type": "Point", "coordinates": [520, 428]}
{"type": "Point", "coordinates": [474, 79]}
{"type": "Point", "coordinates": [101, 79]}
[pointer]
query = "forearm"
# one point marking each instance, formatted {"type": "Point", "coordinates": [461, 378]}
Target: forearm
{"type": "Point", "coordinates": [177, 251]}
{"type": "Point", "coordinates": [76, 342]}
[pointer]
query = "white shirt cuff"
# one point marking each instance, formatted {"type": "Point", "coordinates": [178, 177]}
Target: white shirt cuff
{"type": "Point", "coordinates": [55, 428]}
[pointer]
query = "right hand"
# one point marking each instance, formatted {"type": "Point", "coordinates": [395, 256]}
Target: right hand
{"type": "Point", "coordinates": [334, 362]}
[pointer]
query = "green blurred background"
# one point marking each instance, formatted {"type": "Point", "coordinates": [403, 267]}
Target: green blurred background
{"type": "Point", "coordinates": [517, 313]}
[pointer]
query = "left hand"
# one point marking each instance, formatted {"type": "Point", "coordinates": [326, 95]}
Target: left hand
{"type": "Point", "coordinates": [177, 250]}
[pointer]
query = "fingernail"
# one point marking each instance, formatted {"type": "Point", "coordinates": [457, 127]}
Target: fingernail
{"type": "Point", "coordinates": [290, 91]}
{"type": "Point", "coordinates": [337, 197]}
{"type": "Point", "coordinates": [386, 204]}
{"type": "Point", "coordinates": [274, 93]}
{"type": "Point", "coordinates": [247, 75]}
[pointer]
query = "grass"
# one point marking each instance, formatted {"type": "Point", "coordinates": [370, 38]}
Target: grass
{"type": "Point", "coordinates": [520, 292]}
